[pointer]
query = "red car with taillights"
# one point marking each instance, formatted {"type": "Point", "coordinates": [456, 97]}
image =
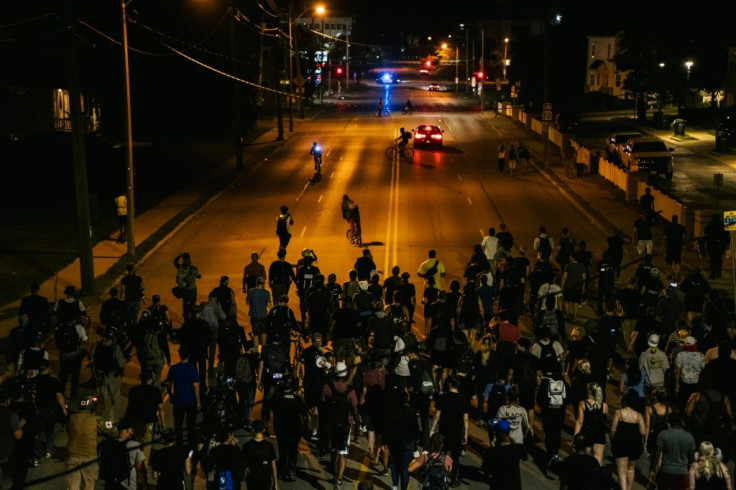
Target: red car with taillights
{"type": "Point", "coordinates": [428, 136]}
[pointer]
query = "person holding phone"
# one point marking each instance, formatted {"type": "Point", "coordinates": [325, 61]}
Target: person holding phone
{"type": "Point", "coordinates": [171, 463]}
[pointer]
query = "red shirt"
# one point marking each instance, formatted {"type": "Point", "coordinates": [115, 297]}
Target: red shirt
{"type": "Point", "coordinates": [341, 386]}
{"type": "Point", "coordinates": [508, 332]}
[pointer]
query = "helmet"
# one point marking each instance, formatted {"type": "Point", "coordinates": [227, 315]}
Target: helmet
{"type": "Point", "coordinates": [654, 272]}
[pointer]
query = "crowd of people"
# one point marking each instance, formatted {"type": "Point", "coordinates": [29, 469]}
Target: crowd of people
{"type": "Point", "coordinates": [409, 367]}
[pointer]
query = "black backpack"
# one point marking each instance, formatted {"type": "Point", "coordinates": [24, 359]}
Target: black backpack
{"type": "Point", "coordinates": [549, 362]}
{"type": "Point", "coordinates": [549, 319]}
{"type": "Point", "coordinates": [717, 424]}
{"type": "Point", "coordinates": [545, 247]}
{"type": "Point", "coordinates": [338, 407]}
{"type": "Point", "coordinates": [158, 314]}
{"type": "Point", "coordinates": [429, 275]}
{"type": "Point", "coordinates": [281, 227]}
{"type": "Point", "coordinates": [257, 460]}
{"type": "Point", "coordinates": [396, 315]}
{"type": "Point", "coordinates": [243, 372]}
{"type": "Point", "coordinates": [114, 463]}
{"type": "Point", "coordinates": [67, 338]}
{"type": "Point", "coordinates": [436, 473]}
{"type": "Point", "coordinates": [104, 358]}
{"type": "Point", "coordinates": [275, 360]}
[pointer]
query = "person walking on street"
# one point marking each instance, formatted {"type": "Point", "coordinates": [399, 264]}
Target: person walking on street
{"type": "Point", "coordinates": [451, 418]}
{"type": "Point", "coordinates": [214, 315]}
{"type": "Point", "coordinates": [432, 271]}
{"type": "Point", "coordinates": [280, 275]}
{"type": "Point", "coordinates": [252, 272]}
{"type": "Point", "coordinates": [675, 447]}
{"type": "Point", "coordinates": [121, 208]}
{"type": "Point", "coordinates": [186, 281]}
{"type": "Point", "coordinates": [708, 471]}
{"type": "Point", "coordinates": [145, 409]}
{"type": "Point", "coordinates": [108, 362]}
{"type": "Point", "coordinates": [627, 432]}
{"type": "Point", "coordinates": [182, 386]}
{"type": "Point", "coordinates": [132, 288]}
{"type": "Point", "coordinates": [512, 159]}
{"type": "Point", "coordinates": [259, 303]}
{"type": "Point", "coordinates": [82, 427]}
{"type": "Point", "coordinates": [501, 158]}
{"type": "Point", "coordinates": [284, 222]}
{"type": "Point", "coordinates": [717, 240]}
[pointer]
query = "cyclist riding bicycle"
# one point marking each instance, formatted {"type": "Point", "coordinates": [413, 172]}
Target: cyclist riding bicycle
{"type": "Point", "coordinates": [351, 213]}
{"type": "Point", "coordinates": [403, 139]}
{"type": "Point", "coordinates": [408, 107]}
{"type": "Point", "coordinates": [316, 151]}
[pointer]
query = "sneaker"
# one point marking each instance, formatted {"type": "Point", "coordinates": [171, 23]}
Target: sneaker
{"type": "Point", "coordinates": [34, 463]}
{"type": "Point", "coordinates": [47, 455]}
{"type": "Point", "coordinates": [314, 436]}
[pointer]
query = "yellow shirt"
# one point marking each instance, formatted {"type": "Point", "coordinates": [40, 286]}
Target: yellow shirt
{"type": "Point", "coordinates": [121, 203]}
{"type": "Point", "coordinates": [428, 264]}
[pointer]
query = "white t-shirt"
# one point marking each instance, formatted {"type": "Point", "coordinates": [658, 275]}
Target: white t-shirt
{"type": "Point", "coordinates": [489, 244]}
{"type": "Point", "coordinates": [517, 419]}
{"type": "Point", "coordinates": [690, 364]}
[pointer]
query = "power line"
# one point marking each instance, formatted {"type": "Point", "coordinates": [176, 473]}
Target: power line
{"type": "Point", "coordinates": [32, 19]}
{"type": "Point", "coordinates": [115, 41]}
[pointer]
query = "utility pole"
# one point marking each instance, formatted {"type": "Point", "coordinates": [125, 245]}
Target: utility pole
{"type": "Point", "coordinates": [237, 120]}
{"type": "Point", "coordinates": [467, 73]}
{"type": "Point", "coordinates": [81, 186]}
{"type": "Point", "coordinates": [259, 77]}
{"type": "Point", "coordinates": [483, 77]}
{"type": "Point", "coordinates": [291, 76]}
{"type": "Point", "coordinates": [130, 174]}
{"type": "Point", "coordinates": [457, 67]}
{"type": "Point", "coordinates": [300, 100]}
{"type": "Point", "coordinates": [277, 70]}
{"type": "Point", "coordinates": [347, 58]}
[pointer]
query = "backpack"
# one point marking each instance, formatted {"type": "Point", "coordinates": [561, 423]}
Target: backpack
{"type": "Point", "coordinates": [338, 407]}
{"type": "Point", "coordinates": [545, 247]}
{"type": "Point", "coordinates": [281, 227]}
{"type": "Point", "coordinates": [436, 474]}
{"type": "Point", "coordinates": [114, 463]}
{"type": "Point", "coordinates": [67, 338]}
{"type": "Point", "coordinates": [183, 276]}
{"type": "Point", "coordinates": [151, 349]}
{"type": "Point", "coordinates": [717, 424]}
{"type": "Point", "coordinates": [275, 360]}
{"type": "Point", "coordinates": [556, 393]}
{"type": "Point", "coordinates": [528, 374]}
{"type": "Point", "coordinates": [396, 315]}
{"type": "Point", "coordinates": [549, 318]}
{"type": "Point", "coordinates": [257, 461]}
{"type": "Point", "coordinates": [243, 372]}
{"type": "Point", "coordinates": [439, 342]}
{"type": "Point", "coordinates": [104, 358]}
{"type": "Point", "coordinates": [429, 275]}
{"type": "Point", "coordinates": [549, 363]}
{"type": "Point", "coordinates": [225, 480]}
{"type": "Point", "coordinates": [383, 334]}
{"type": "Point", "coordinates": [426, 384]}
{"type": "Point", "coordinates": [158, 314]}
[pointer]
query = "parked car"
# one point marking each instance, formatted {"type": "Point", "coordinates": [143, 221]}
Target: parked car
{"type": "Point", "coordinates": [647, 154]}
{"type": "Point", "coordinates": [615, 141]}
{"type": "Point", "coordinates": [434, 87]}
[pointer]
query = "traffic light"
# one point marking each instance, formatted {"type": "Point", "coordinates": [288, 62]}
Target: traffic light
{"type": "Point", "coordinates": [339, 70]}
{"type": "Point", "coordinates": [428, 64]}
{"type": "Point", "coordinates": [479, 75]}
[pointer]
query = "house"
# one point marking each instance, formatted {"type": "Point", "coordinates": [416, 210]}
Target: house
{"type": "Point", "coordinates": [601, 73]}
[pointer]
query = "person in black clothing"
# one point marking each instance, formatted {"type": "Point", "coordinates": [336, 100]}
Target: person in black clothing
{"type": "Point", "coordinates": [717, 240]}
{"type": "Point", "coordinates": [319, 305]}
{"type": "Point", "coordinates": [280, 322]}
{"type": "Point", "coordinates": [50, 403]}
{"type": "Point", "coordinates": [581, 471]}
{"type": "Point", "coordinates": [400, 434]}
{"type": "Point", "coordinates": [312, 365]}
{"type": "Point", "coordinates": [606, 280]}
{"type": "Point", "coordinates": [288, 412]}
{"type": "Point", "coordinates": [260, 460]}
{"type": "Point", "coordinates": [451, 418]}
{"type": "Point", "coordinates": [226, 457]}
{"type": "Point", "coordinates": [419, 399]}
{"type": "Point", "coordinates": [37, 308]}
{"type": "Point", "coordinates": [505, 238]}
{"type": "Point", "coordinates": [170, 463]}
{"type": "Point", "coordinates": [19, 339]}
{"type": "Point", "coordinates": [616, 249]}
{"type": "Point", "coordinates": [145, 409]}
{"type": "Point", "coordinates": [344, 328]}
{"type": "Point", "coordinates": [486, 370]}
{"type": "Point", "coordinates": [114, 311]}
{"type": "Point", "coordinates": [132, 288]}
{"type": "Point", "coordinates": [194, 337]}
{"type": "Point", "coordinates": [226, 297]}
{"type": "Point", "coordinates": [280, 275]}
{"type": "Point", "coordinates": [364, 265]}
{"type": "Point", "coordinates": [306, 274]}
{"type": "Point", "coordinates": [501, 460]}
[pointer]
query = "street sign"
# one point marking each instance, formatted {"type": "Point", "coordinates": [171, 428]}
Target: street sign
{"type": "Point", "coordinates": [546, 115]}
{"type": "Point", "coordinates": [547, 106]}
{"type": "Point", "coordinates": [729, 220]}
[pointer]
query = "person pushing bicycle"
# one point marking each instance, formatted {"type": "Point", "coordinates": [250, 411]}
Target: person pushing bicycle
{"type": "Point", "coordinates": [403, 140]}
{"type": "Point", "coordinates": [351, 213]}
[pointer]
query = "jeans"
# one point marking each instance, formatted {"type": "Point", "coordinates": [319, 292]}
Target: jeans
{"type": "Point", "coordinates": [190, 411]}
{"type": "Point", "coordinates": [552, 421]}
{"type": "Point", "coordinates": [189, 299]}
{"type": "Point", "coordinates": [401, 456]}
{"type": "Point", "coordinates": [110, 389]}
{"type": "Point", "coordinates": [454, 447]}
{"type": "Point", "coordinates": [421, 404]}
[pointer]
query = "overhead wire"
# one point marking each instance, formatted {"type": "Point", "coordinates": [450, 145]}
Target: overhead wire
{"type": "Point", "coordinates": [266, 11]}
{"type": "Point", "coordinates": [115, 41]}
{"type": "Point", "coordinates": [32, 19]}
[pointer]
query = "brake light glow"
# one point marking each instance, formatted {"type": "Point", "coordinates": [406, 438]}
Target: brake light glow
{"type": "Point", "coordinates": [436, 136]}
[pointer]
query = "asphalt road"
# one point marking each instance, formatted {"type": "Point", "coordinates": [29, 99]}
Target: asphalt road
{"type": "Point", "coordinates": [443, 200]}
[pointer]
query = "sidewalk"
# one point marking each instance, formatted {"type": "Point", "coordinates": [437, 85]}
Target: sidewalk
{"type": "Point", "coordinates": [151, 228]}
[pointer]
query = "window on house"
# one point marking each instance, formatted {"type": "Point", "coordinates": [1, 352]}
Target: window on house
{"type": "Point", "coordinates": [592, 50]}
{"type": "Point", "coordinates": [591, 80]}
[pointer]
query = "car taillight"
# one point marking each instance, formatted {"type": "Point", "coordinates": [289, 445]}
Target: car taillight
{"type": "Point", "coordinates": [436, 136]}
{"type": "Point", "coordinates": [420, 136]}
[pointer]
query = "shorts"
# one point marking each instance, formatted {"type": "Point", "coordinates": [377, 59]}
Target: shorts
{"type": "Point", "coordinates": [258, 326]}
{"type": "Point", "coordinates": [572, 295]}
{"type": "Point", "coordinates": [644, 247]}
{"type": "Point", "coordinates": [340, 440]}
{"type": "Point", "coordinates": [667, 480]}
{"type": "Point", "coordinates": [312, 393]}
{"type": "Point", "coordinates": [672, 257]}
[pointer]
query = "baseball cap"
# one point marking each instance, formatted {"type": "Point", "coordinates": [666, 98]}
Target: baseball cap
{"type": "Point", "coordinates": [690, 340]}
{"type": "Point", "coordinates": [500, 424]}
{"type": "Point", "coordinates": [124, 424]}
{"type": "Point", "coordinates": [341, 369]}
{"type": "Point", "coordinates": [653, 340]}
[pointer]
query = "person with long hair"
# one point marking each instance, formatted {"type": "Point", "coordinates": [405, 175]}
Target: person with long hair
{"type": "Point", "coordinates": [591, 420]}
{"type": "Point", "coordinates": [632, 378]}
{"type": "Point", "coordinates": [485, 367]}
{"type": "Point", "coordinates": [515, 415]}
{"type": "Point", "coordinates": [581, 378]}
{"type": "Point", "coordinates": [627, 433]}
{"type": "Point", "coordinates": [655, 419]}
{"type": "Point", "coordinates": [707, 471]}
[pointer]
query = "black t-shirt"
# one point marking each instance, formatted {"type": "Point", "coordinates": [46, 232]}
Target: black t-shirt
{"type": "Point", "coordinates": [143, 402]}
{"type": "Point", "coordinates": [453, 406]}
{"type": "Point", "coordinates": [335, 291]}
{"type": "Point", "coordinates": [286, 410]}
{"type": "Point", "coordinates": [132, 285]}
{"type": "Point", "coordinates": [643, 229]}
{"type": "Point", "coordinates": [615, 246]}
{"type": "Point", "coordinates": [674, 233]}
{"type": "Point", "coordinates": [281, 272]}
{"type": "Point", "coordinates": [319, 304]}
{"type": "Point", "coordinates": [227, 457]}
{"type": "Point", "coordinates": [169, 463]}
{"type": "Point", "coordinates": [580, 472]}
{"type": "Point", "coordinates": [364, 266]}
{"type": "Point", "coordinates": [346, 323]}
{"type": "Point", "coordinates": [630, 300]}
{"type": "Point", "coordinates": [47, 386]}
{"type": "Point", "coordinates": [501, 462]}
{"type": "Point", "coordinates": [258, 456]}
{"type": "Point", "coordinates": [308, 359]}
{"type": "Point", "coordinates": [408, 291]}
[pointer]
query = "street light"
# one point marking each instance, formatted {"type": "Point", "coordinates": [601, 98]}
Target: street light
{"type": "Point", "coordinates": [689, 65]}
{"type": "Point", "coordinates": [318, 9]}
{"type": "Point", "coordinates": [129, 138]}
{"type": "Point", "coordinates": [505, 56]}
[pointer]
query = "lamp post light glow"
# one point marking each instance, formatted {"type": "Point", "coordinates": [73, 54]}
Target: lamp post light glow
{"type": "Point", "coordinates": [688, 65]}
{"type": "Point", "coordinates": [505, 56]}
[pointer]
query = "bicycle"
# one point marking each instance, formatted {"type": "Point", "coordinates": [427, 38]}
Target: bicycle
{"type": "Point", "coordinates": [354, 238]}
{"type": "Point", "coordinates": [318, 164]}
{"type": "Point", "coordinates": [407, 154]}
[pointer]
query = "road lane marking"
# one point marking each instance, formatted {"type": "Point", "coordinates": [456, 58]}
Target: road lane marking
{"type": "Point", "coordinates": [303, 190]}
{"type": "Point", "coordinates": [320, 197]}
{"type": "Point", "coordinates": [469, 201]}
{"type": "Point", "coordinates": [459, 177]}
{"type": "Point", "coordinates": [482, 234]}
{"type": "Point", "coordinates": [304, 230]}
{"type": "Point", "coordinates": [332, 175]}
